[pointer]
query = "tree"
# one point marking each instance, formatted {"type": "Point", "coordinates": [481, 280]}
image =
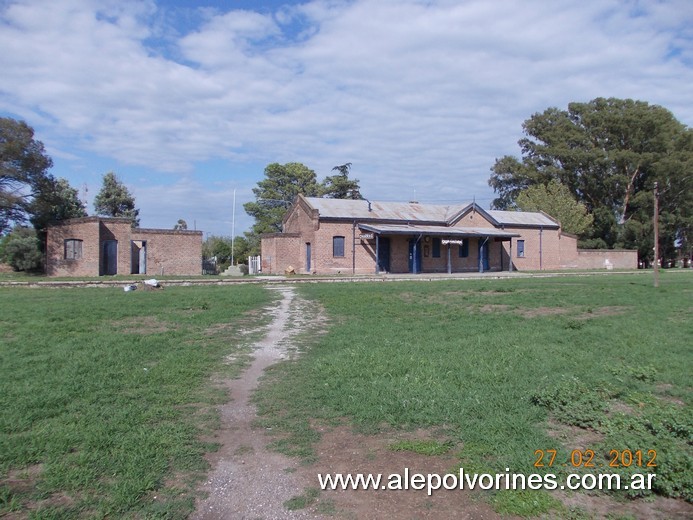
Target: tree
{"type": "Point", "coordinates": [23, 166]}
{"type": "Point", "coordinates": [275, 193]}
{"type": "Point", "coordinates": [608, 153]}
{"type": "Point", "coordinates": [180, 225]}
{"type": "Point", "coordinates": [115, 200]}
{"type": "Point", "coordinates": [556, 200]}
{"type": "Point", "coordinates": [340, 186]}
{"type": "Point", "coordinates": [20, 249]}
{"type": "Point", "coordinates": [54, 200]}
{"type": "Point", "coordinates": [217, 247]}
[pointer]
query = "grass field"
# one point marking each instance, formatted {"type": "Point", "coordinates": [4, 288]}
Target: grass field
{"type": "Point", "coordinates": [106, 396]}
{"type": "Point", "coordinates": [108, 401]}
{"type": "Point", "coordinates": [506, 367]}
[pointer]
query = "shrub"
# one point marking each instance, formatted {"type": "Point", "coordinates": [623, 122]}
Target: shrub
{"type": "Point", "coordinates": [20, 249]}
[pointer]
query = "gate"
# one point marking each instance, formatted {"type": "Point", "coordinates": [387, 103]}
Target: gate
{"type": "Point", "coordinates": [254, 265]}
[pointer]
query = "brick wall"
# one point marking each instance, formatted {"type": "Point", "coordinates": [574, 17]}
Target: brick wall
{"type": "Point", "coordinates": [84, 229]}
{"type": "Point", "coordinates": [473, 219]}
{"type": "Point", "coordinates": [569, 251]}
{"type": "Point", "coordinates": [597, 258]}
{"type": "Point", "coordinates": [542, 248]}
{"type": "Point", "coordinates": [279, 251]}
{"type": "Point", "coordinates": [170, 252]}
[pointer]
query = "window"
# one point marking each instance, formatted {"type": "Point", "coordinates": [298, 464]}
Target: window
{"type": "Point", "coordinates": [337, 246]}
{"type": "Point", "coordinates": [520, 248]}
{"type": "Point", "coordinates": [464, 248]}
{"type": "Point", "coordinates": [436, 247]}
{"type": "Point", "coordinates": [73, 249]}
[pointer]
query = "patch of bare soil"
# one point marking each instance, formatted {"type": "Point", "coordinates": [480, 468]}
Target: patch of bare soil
{"type": "Point", "coordinates": [613, 310]}
{"type": "Point", "coordinates": [609, 310]}
{"type": "Point", "coordinates": [574, 437]}
{"type": "Point", "coordinates": [341, 450]}
{"type": "Point", "coordinates": [23, 481]}
{"type": "Point", "coordinates": [492, 307]}
{"type": "Point", "coordinates": [541, 311]}
{"type": "Point", "coordinates": [665, 389]}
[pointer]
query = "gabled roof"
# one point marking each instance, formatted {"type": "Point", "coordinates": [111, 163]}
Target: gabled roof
{"type": "Point", "coordinates": [414, 212]}
{"type": "Point", "coordinates": [376, 210]}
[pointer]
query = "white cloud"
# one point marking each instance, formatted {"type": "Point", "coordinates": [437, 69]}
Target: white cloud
{"type": "Point", "coordinates": [413, 93]}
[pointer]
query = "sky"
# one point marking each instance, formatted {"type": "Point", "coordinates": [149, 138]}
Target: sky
{"type": "Point", "coordinates": [189, 101]}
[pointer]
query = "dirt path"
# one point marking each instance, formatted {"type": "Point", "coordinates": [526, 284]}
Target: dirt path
{"type": "Point", "coordinates": [247, 480]}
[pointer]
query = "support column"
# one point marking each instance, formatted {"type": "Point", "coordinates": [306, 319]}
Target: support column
{"type": "Point", "coordinates": [449, 260]}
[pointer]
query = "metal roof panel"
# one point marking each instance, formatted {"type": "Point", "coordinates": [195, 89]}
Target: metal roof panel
{"type": "Point", "coordinates": [406, 211]}
{"type": "Point", "coordinates": [522, 218]}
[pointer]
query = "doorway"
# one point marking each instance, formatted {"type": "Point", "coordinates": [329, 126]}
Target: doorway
{"type": "Point", "coordinates": [110, 257]}
{"type": "Point", "coordinates": [138, 257]}
{"type": "Point", "coordinates": [484, 264]}
{"type": "Point", "coordinates": [383, 255]}
{"type": "Point", "coordinates": [414, 256]}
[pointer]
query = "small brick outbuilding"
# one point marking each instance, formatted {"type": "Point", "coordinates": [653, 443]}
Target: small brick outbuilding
{"type": "Point", "coordinates": [331, 236]}
{"type": "Point", "coordinates": [96, 246]}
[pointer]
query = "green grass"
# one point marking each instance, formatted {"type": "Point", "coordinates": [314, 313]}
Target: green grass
{"type": "Point", "coordinates": [493, 361]}
{"type": "Point", "coordinates": [106, 396]}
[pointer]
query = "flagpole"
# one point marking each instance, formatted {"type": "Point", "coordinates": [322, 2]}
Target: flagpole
{"type": "Point", "coordinates": [233, 224]}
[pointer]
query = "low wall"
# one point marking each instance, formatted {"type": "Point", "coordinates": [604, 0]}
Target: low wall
{"type": "Point", "coordinates": [603, 258]}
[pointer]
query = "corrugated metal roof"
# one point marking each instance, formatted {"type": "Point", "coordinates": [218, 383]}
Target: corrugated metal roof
{"type": "Point", "coordinates": [399, 229]}
{"type": "Point", "coordinates": [522, 218]}
{"type": "Point", "coordinates": [416, 212]}
{"type": "Point", "coordinates": [407, 211]}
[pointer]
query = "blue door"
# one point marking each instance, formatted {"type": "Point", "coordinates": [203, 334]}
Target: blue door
{"type": "Point", "coordinates": [383, 255]}
{"type": "Point", "coordinates": [110, 257]}
{"type": "Point", "coordinates": [415, 256]}
{"type": "Point", "coordinates": [483, 255]}
{"type": "Point", "coordinates": [308, 257]}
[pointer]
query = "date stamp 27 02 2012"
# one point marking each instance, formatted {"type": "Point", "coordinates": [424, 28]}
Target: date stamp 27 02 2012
{"type": "Point", "coordinates": [586, 459]}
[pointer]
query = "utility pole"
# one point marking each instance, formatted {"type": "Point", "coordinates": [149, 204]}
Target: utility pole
{"type": "Point", "coordinates": [656, 236]}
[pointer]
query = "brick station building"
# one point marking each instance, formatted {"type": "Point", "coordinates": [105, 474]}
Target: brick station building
{"type": "Point", "coordinates": [96, 246]}
{"type": "Point", "coordinates": [336, 236]}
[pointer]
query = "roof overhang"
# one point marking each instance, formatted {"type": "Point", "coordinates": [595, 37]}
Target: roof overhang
{"type": "Point", "coordinates": [437, 231]}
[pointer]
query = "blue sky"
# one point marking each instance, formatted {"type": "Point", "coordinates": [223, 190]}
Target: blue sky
{"type": "Point", "coordinates": [188, 101]}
